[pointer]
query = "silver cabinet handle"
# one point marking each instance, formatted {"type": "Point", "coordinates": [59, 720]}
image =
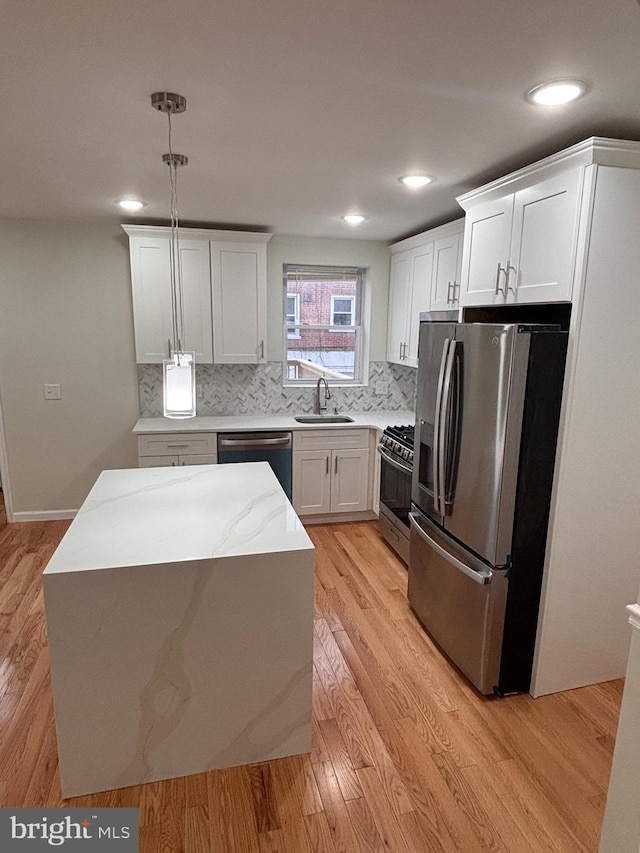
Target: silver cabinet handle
{"type": "Point", "coordinates": [449, 299]}
{"type": "Point", "coordinates": [177, 446]}
{"type": "Point", "coordinates": [405, 347]}
{"type": "Point", "coordinates": [481, 577]}
{"type": "Point", "coordinates": [498, 288]}
{"type": "Point", "coordinates": [456, 286]}
{"type": "Point", "coordinates": [335, 470]}
{"type": "Point", "coordinates": [263, 442]}
{"type": "Point", "coordinates": [327, 471]}
{"type": "Point", "coordinates": [400, 352]}
{"type": "Point", "coordinates": [261, 350]}
{"type": "Point", "coordinates": [509, 268]}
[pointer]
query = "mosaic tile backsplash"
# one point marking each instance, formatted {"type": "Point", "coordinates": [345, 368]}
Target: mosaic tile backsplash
{"type": "Point", "coordinates": [248, 389]}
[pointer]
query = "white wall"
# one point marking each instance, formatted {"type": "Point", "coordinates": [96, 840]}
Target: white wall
{"type": "Point", "coordinates": [65, 318]}
{"type": "Point", "coordinates": [621, 828]}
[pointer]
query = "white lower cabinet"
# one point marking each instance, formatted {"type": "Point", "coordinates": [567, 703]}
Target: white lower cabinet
{"type": "Point", "coordinates": [330, 474]}
{"type": "Point", "coordinates": [162, 450]}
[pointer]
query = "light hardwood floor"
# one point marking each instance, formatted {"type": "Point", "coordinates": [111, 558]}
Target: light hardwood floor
{"type": "Point", "coordinates": [407, 758]}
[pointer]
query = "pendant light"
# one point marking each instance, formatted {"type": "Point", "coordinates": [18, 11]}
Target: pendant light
{"type": "Point", "coordinates": [178, 370]}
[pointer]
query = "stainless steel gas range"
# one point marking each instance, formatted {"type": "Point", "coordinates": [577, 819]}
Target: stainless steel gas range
{"type": "Point", "coordinates": [396, 465]}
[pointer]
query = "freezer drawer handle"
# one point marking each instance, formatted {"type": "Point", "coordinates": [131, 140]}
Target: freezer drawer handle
{"type": "Point", "coordinates": [478, 577]}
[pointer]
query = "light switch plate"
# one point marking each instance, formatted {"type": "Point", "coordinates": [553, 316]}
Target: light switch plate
{"type": "Point", "coordinates": [52, 392]}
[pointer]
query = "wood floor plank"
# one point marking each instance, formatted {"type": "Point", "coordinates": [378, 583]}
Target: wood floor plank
{"type": "Point", "coordinates": [364, 827]}
{"type": "Point", "coordinates": [342, 833]}
{"type": "Point", "coordinates": [196, 829]}
{"type": "Point", "coordinates": [406, 756]}
{"type": "Point", "coordinates": [342, 767]}
{"type": "Point", "coordinates": [384, 818]}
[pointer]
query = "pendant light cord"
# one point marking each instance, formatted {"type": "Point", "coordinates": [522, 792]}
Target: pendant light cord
{"type": "Point", "coordinates": [175, 260]}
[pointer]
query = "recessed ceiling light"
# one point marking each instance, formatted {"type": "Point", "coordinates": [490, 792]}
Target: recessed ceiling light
{"type": "Point", "coordinates": [130, 204]}
{"type": "Point", "coordinates": [415, 182]}
{"type": "Point", "coordinates": [556, 93]}
{"type": "Point", "coordinates": [354, 218]}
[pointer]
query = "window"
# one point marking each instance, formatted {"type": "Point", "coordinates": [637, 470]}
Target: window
{"type": "Point", "coordinates": [319, 302]}
{"type": "Point", "coordinates": [292, 311]}
{"type": "Point", "coordinates": [342, 311]}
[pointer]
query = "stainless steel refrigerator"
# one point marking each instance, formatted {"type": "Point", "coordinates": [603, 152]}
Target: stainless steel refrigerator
{"type": "Point", "coordinates": [487, 414]}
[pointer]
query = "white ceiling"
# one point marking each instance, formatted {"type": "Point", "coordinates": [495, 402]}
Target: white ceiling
{"type": "Point", "coordinates": [299, 110]}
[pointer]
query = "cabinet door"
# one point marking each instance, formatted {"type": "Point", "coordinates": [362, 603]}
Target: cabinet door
{"type": "Point", "coordinates": [487, 233]}
{"type": "Point", "coordinates": [350, 480]}
{"type": "Point", "coordinates": [421, 272]}
{"type": "Point", "coordinates": [543, 242]}
{"type": "Point", "coordinates": [399, 296]}
{"type": "Point", "coordinates": [446, 273]}
{"type": "Point", "coordinates": [239, 284]}
{"type": "Point", "coordinates": [312, 481]}
{"type": "Point", "coordinates": [151, 290]}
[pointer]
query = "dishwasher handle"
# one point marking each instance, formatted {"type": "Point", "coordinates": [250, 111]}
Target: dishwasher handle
{"type": "Point", "coordinates": [255, 441]}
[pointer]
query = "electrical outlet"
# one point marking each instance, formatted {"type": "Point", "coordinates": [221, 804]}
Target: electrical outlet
{"type": "Point", "coordinates": [381, 388]}
{"type": "Point", "coordinates": [52, 392]}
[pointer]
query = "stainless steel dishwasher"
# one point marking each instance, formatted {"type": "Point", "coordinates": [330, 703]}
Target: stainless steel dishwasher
{"type": "Point", "coordinates": [272, 447]}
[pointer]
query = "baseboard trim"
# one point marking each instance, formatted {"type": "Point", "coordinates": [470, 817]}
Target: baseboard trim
{"type": "Point", "coordinates": [366, 515]}
{"type": "Point", "coordinates": [45, 515]}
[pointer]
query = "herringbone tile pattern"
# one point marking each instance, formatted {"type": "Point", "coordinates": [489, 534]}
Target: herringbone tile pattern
{"type": "Point", "coordinates": [243, 389]}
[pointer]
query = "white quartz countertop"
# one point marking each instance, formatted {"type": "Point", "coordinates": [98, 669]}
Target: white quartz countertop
{"type": "Point", "coordinates": [145, 516]}
{"type": "Point", "coordinates": [239, 423]}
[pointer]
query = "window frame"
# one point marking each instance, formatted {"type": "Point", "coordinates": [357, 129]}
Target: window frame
{"type": "Point", "coordinates": [337, 328]}
{"type": "Point", "coordinates": [359, 326]}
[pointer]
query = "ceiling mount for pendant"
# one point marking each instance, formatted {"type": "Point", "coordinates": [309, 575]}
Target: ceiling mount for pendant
{"type": "Point", "coordinates": [168, 102]}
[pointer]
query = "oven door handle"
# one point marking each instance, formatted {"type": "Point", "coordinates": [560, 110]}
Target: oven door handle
{"type": "Point", "coordinates": [388, 458]}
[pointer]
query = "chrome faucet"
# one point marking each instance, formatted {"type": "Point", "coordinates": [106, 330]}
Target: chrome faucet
{"type": "Point", "coordinates": [317, 408]}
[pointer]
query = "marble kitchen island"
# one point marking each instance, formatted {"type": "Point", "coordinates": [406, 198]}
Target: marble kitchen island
{"type": "Point", "coordinates": [179, 609]}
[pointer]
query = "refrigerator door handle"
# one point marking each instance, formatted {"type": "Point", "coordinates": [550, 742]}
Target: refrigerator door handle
{"type": "Point", "coordinates": [437, 486]}
{"type": "Point", "coordinates": [481, 577]}
{"type": "Point", "coordinates": [443, 424]}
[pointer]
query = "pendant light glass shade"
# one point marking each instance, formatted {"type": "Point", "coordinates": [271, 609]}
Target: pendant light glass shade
{"type": "Point", "coordinates": [179, 385]}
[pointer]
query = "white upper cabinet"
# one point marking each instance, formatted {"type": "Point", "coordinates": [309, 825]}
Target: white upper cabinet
{"type": "Point", "coordinates": [421, 271]}
{"type": "Point", "coordinates": [224, 294]}
{"type": "Point", "coordinates": [399, 299]}
{"type": "Point", "coordinates": [425, 276]}
{"type": "Point", "coordinates": [447, 260]}
{"type": "Point", "coordinates": [520, 247]}
{"type": "Point", "coordinates": [152, 298]}
{"type": "Point", "coordinates": [239, 283]}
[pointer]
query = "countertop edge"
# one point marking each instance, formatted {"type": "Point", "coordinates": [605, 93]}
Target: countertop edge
{"type": "Point", "coordinates": [240, 423]}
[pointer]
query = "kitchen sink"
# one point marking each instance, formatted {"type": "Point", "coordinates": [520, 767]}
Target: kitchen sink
{"type": "Point", "coordinates": [324, 419]}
